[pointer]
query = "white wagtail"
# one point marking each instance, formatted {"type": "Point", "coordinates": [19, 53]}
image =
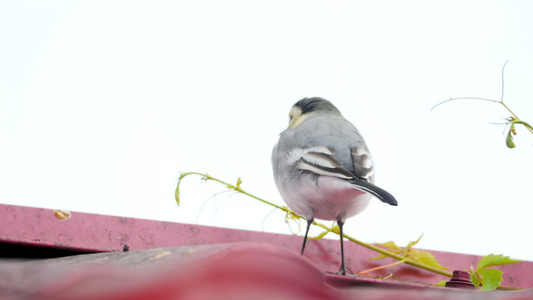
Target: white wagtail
{"type": "Point", "coordinates": [322, 166]}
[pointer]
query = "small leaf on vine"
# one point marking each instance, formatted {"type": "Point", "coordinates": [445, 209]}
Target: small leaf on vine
{"type": "Point", "coordinates": [490, 279]}
{"type": "Point", "coordinates": [418, 255]}
{"type": "Point", "coordinates": [412, 243]}
{"type": "Point", "coordinates": [492, 260]}
{"type": "Point", "coordinates": [390, 245]}
{"type": "Point", "coordinates": [426, 258]}
{"type": "Point", "coordinates": [441, 283]}
{"type": "Point", "coordinates": [336, 229]}
{"type": "Point", "coordinates": [475, 277]}
{"type": "Point", "coordinates": [509, 141]}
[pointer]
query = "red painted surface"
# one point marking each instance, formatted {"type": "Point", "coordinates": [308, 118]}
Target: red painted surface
{"type": "Point", "coordinates": [99, 233]}
{"type": "Point", "coordinates": [241, 271]}
{"type": "Point", "coordinates": [223, 271]}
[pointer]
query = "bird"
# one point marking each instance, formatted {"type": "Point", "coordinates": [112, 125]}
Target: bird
{"type": "Point", "coordinates": [323, 168]}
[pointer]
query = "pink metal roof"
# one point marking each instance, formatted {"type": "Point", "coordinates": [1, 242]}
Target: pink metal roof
{"type": "Point", "coordinates": [181, 261]}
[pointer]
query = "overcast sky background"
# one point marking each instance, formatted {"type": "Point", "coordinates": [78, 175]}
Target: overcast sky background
{"type": "Point", "coordinates": [104, 103]}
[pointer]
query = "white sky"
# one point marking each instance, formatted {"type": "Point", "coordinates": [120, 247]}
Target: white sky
{"type": "Point", "coordinates": [103, 103]}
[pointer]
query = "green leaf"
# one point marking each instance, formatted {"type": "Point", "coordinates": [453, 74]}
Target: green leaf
{"type": "Point", "coordinates": [495, 260]}
{"type": "Point", "coordinates": [390, 245]}
{"type": "Point", "coordinates": [441, 283]}
{"type": "Point", "coordinates": [509, 141]}
{"type": "Point", "coordinates": [336, 229]}
{"type": "Point", "coordinates": [381, 256]}
{"type": "Point", "coordinates": [411, 244]}
{"type": "Point", "coordinates": [513, 129]}
{"type": "Point", "coordinates": [491, 279]}
{"type": "Point", "coordinates": [426, 257]}
{"type": "Point", "coordinates": [476, 279]}
{"type": "Point", "coordinates": [239, 181]}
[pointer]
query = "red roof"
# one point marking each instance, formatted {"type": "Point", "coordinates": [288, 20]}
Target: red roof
{"type": "Point", "coordinates": [181, 261]}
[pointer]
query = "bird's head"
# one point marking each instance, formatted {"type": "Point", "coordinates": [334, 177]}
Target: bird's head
{"type": "Point", "coordinates": [308, 106]}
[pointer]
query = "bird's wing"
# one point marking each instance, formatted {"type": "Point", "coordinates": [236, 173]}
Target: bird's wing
{"type": "Point", "coordinates": [364, 169]}
{"type": "Point", "coordinates": [362, 163]}
{"type": "Point", "coordinates": [320, 160]}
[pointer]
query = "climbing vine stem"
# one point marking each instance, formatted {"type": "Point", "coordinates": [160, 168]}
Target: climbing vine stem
{"type": "Point", "coordinates": [335, 229]}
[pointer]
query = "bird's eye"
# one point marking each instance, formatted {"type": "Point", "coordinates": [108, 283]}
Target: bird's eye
{"type": "Point", "coordinates": [290, 117]}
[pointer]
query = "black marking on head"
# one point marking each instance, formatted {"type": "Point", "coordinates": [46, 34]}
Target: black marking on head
{"type": "Point", "coordinates": [308, 105]}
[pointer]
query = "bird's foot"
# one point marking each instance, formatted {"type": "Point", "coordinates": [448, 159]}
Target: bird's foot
{"type": "Point", "coordinates": [341, 271]}
{"type": "Point", "coordinates": [357, 275]}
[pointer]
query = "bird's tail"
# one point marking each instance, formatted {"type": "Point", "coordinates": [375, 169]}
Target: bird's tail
{"type": "Point", "coordinates": [374, 190]}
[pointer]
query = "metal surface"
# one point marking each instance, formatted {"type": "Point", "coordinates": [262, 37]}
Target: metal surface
{"type": "Point", "coordinates": [224, 271]}
{"type": "Point", "coordinates": [460, 280]}
{"type": "Point", "coordinates": [37, 227]}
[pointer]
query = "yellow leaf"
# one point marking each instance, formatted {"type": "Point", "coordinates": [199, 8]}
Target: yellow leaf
{"type": "Point", "coordinates": [381, 256]}
{"type": "Point", "coordinates": [335, 229]}
{"type": "Point", "coordinates": [390, 245]}
{"type": "Point", "coordinates": [426, 258]}
{"type": "Point", "coordinates": [411, 244]}
{"type": "Point", "coordinates": [441, 283]}
{"type": "Point", "coordinates": [62, 214]}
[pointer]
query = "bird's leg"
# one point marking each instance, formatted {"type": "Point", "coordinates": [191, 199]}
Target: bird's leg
{"type": "Point", "coordinates": [342, 270]}
{"type": "Point", "coordinates": [309, 222]}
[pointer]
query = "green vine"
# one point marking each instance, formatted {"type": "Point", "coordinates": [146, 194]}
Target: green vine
{"type": "Point", "coordinates": [418, 258]}
{"type": "Point", "coordinates": [510, 121]}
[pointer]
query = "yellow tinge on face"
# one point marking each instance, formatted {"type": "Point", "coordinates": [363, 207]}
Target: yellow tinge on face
{"type": "Point", "coordinates": [295, 117]}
